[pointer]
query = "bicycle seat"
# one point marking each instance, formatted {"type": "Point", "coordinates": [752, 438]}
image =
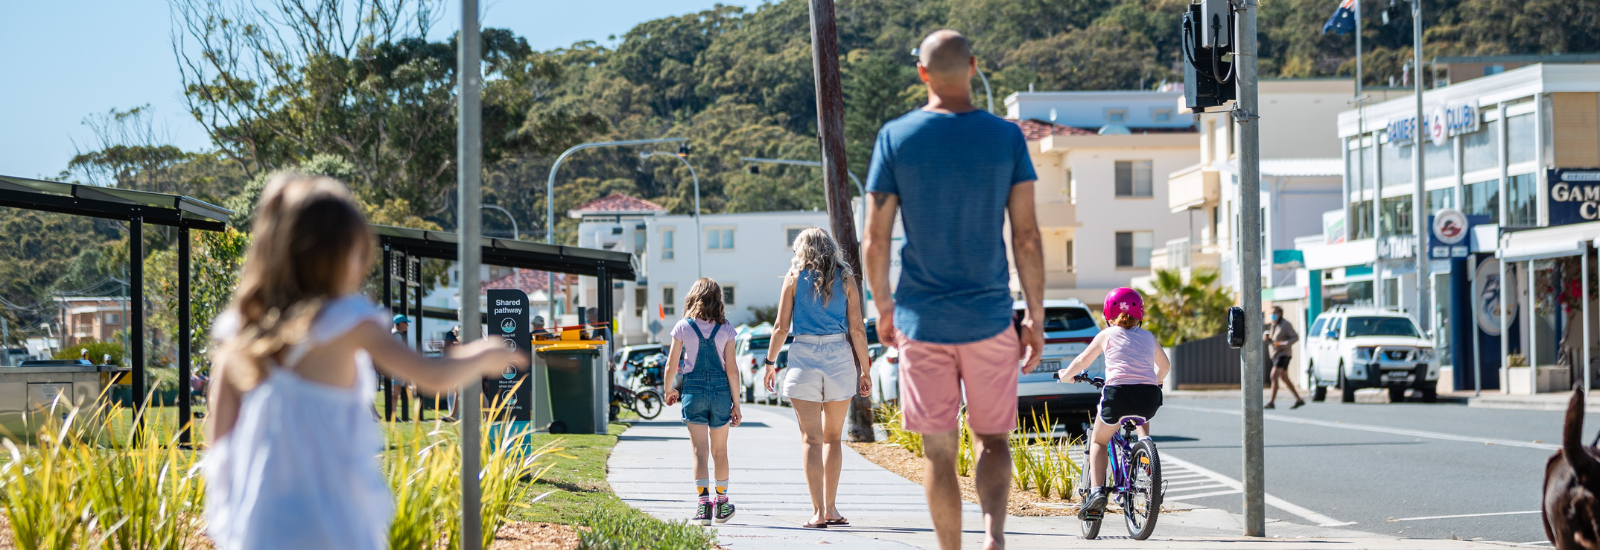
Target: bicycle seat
{"type": "Point", "coordinates": [1135, 420]}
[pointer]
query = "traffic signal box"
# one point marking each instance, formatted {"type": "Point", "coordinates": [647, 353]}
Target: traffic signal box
{"type": "Point", "coordinates": [1208, 75]}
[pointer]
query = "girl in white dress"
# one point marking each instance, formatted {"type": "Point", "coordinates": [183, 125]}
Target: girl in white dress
{"type": "Point", "coordinates": [293, 461]}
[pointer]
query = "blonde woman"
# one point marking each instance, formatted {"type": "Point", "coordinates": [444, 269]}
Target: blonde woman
{"type": "Point", "coordinates": [827, 363]}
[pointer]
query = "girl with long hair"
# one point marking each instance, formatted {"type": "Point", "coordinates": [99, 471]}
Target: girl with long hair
{"type": "Point", "coordinates": [827, 364]}
{"type": "Point", "coordinates": [709, 391]}
{"type": "Point", "coordinates": [294, 443]}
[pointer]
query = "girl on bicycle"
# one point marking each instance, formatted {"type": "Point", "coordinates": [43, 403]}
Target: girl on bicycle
{"type": "Point", "coordinates": [1135, 367]}
{"type": "Point", "coordinates": [704, 341]}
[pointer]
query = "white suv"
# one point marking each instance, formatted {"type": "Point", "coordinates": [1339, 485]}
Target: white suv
{"type": "Point", "coordinates": [1068, 329]}
{"type": "Point", "coordinates": [1355, 348]}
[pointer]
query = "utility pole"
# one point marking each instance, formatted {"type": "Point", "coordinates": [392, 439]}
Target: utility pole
{"type": "Point", "coordinates": [469, 253]}
{"type": "Point", "coordinates": [1247, 117]}
{"type": "Point", "coordinates": [835, 171]}
{"type": "Point", "coordinates": [1418, 223]}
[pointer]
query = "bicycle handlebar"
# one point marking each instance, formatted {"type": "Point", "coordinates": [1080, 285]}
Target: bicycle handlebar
{"type": "Point", "coordinates": [1084, 377]}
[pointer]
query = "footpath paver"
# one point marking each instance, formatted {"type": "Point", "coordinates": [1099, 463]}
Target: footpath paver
{"type": "Point", "coordinates": [651, 469]}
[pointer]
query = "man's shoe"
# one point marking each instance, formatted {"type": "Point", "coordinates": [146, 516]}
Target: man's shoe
{"type": "Point", "coordinates": [1094, 505]}
{"type": "Point", "coordinates": [1271, 406]}
{"type": "Point", "coordinates": [724, 511]}
{"type": "Point", "coordinates": [702, 514]}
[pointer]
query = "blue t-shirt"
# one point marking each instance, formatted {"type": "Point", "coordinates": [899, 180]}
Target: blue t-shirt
{"type": "Point", "coordinates": [953, 174]}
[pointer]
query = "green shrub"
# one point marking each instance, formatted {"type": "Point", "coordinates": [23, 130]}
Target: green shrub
{"type": "Point", "coordinates": [97, 351]}
{"type": "Point", "coordinates": [634, 530]}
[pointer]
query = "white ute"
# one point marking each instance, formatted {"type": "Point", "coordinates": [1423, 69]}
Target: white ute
{"type": "Point", "coordinates": [1354, 348]}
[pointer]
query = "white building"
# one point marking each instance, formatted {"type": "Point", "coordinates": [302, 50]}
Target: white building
{"type": "Point", "coordinates": [1102, 160]}
{"type": "Point", "coordinates": [748, 254]}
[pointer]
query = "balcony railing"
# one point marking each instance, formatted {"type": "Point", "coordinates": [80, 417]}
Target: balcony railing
{"type": "Point", "coordinates": [1181, 254]}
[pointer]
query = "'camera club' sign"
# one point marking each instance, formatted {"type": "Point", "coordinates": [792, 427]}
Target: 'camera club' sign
{"type": "Point", "coordinates": [1444, 120]}
{"type": "Point", "coordinates": [508, 319]}
{"type": "Point", "coordinates": [1574, 196]}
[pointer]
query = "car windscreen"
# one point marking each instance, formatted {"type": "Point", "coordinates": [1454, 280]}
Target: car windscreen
{"type": "Point", "coordinates": [1380, 326]}
{"type": "Point", "coordinates": [759, 342]}
{"type": "Point", "coordinates": [1067, 319]}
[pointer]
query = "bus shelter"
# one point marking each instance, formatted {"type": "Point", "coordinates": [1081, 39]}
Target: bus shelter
{"type": "Point", "coordinates": [402, 250]}
{"type": "Point", "coordinates": [137, 208]}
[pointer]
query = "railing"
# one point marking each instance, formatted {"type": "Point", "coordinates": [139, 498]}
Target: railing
{"type": "Point", "coordinates": [1179, 254]}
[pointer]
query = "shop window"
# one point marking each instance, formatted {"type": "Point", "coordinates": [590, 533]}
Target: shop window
{"type": "Point", "coordinates": [1394, 215]}
{"type": "Point", "coordinates": [1482, 198]}
{"type": "Point", "coordinates": [1480, 150]}
{"type": "Point", "coordinates": [1520, 139]}
{"type": "Point", "coordinates": [1369, 168]}
{"type": "Point", "coordinates": [1439, 199]}
{"type": "Point", "coordinates": [1396, 163]}
{"type": "Point", "coordinates": [1360, 222]}
{"type": "Point", "coordinates": [1134, 178]}
{"type": "Point", "coordinates": [1133, 248]}
{"type": "Point", "coordinates": [1438, 160]}
{"type": "Point", "coordinates": [1520, 203]}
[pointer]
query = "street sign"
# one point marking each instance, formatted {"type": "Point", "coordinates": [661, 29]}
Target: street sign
{"type": "Point", "coordinates": [508, 317]}
{"type": "Point", "coordinates": [1450, 233]}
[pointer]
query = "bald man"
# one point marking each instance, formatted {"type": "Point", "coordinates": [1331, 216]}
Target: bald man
{"type": "Point", "coordinates": [955, 172]}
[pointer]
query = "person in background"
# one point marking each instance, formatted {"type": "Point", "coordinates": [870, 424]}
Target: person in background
{"type": "Point", "coordinates": [83, 355]}
{"type": "Point", "coordinates": [1280, 337]}
{"type": "Point", "coordinates": [538, 331]}
{"type": "Point", "coordinates": [710, 393]}
{"type": "Point", "coordinates": [452, 340]}
{"type": "Point", "coordinates": [956, 173]}
{"type": "Point", "coordinates": [400, 389]}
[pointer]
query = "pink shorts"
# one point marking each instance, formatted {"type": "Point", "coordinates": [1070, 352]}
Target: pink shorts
{"type": "Point", "coordinates": [932, 376]}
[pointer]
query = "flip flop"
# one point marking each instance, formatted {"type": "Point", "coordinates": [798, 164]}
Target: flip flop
{"type": "Point", "coordinates": [823, 525]}
{"type": "Point", "coordinates": [840, 521]}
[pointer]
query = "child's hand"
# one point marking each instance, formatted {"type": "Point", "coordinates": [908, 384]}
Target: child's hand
{"type": "Point", "coordinates": [737, 416]}
{"type": "Point", "coordinates": [489, 356]}
{"type": "Point", "coordinates": [671, 397]}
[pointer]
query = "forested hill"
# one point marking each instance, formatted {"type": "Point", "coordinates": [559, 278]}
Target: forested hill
{"type": "Point", "coordinates": [375, 100]}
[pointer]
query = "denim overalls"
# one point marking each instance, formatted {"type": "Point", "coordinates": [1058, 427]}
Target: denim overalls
{"type": "Point", "coordinates": [707, 399]}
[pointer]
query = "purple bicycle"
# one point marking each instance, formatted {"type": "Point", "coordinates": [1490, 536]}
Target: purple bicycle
{"type": "Point", "coordinates": [1135, 477]}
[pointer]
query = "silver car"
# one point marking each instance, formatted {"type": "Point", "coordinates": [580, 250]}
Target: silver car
{"type": "Point", "coordinates": [1068, 328]}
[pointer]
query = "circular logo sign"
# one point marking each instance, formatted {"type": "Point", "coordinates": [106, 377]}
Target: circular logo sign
{"type": "Point", "coordinates": [510, 372]}
{"type": "Point", "coordinates": [1450, 226]}
{"type": "Point", "coordinates": [508, 325]}
{"type": "Point", "coordinates": [1490, 295]}
{"type": "Point", "coordinates": [511, 345]}
{"type": "Point", "coordinates": [1437, 131]}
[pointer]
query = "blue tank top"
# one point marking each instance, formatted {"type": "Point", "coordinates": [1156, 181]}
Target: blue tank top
{"type": "Point", "coordinates": [811, 315]}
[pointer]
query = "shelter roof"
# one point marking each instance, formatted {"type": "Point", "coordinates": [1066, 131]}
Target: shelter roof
{"type": "Point", "coordinates": [112, 203]}
{"type": "Point", "coordinates": [441, 245]}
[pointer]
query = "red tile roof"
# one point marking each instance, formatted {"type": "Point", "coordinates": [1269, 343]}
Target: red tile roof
{"type": "Point", "coordinates": [619, 202]}
{"type": "Point", "coordinates": [1036, 130]}
{"type": "Point", "coordinates": [526, 280]}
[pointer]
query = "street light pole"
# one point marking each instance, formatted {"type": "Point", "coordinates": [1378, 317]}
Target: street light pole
{"type": "Point", "coordinates": [550, 203]}
{"type": "Point", "coordinates": [1246, 115]}
{"type": "Point", "coordinates": [859, 188]}
{"type": "Point", "coordinates": [469, 182]}
{"type": "Point", "coordinates": [699, 262]}
{"type": "Point", "coordinates": [514, 231]}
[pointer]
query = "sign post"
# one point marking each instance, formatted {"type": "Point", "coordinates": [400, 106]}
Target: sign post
{"type": "Point", "coordinates": [513, 388]}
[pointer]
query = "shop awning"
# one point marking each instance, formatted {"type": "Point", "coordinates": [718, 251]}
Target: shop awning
{"type": "Point", "coordinates": [1547, 242]}
{"type": "Point", "coordinates": [1329, 256]}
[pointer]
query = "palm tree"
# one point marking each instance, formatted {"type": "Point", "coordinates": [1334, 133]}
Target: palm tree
{"type": "Point", "coordinates": [1184, 310]}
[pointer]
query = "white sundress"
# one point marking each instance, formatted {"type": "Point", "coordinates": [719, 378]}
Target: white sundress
{"type": "Point", "coordinates": [300, 469]}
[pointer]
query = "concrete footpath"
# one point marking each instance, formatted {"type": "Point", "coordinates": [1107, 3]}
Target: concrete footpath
{"type": "Point", "coordinates": [652, 469]}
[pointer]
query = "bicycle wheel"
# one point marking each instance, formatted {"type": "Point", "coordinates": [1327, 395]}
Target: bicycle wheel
{"type": "Point", "coordinates": [647, 404]}
{"type": "Point", "coordinates": [1142, 502]}
{"type": "Point", "coordinates": [1091, 528]}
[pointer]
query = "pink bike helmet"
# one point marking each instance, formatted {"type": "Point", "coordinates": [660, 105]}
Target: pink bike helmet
{"type": "Point", "coordinates": [1124, 300]}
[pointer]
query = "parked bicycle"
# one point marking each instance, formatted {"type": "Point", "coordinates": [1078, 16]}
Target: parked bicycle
{"type": "Point", "coordinates": [646, 403]}
{"type": "Point", "coordinates": [1135, 477]}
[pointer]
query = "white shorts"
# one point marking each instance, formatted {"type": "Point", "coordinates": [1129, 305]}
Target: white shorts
{"type": "Point", "coordinates": [821, 368]}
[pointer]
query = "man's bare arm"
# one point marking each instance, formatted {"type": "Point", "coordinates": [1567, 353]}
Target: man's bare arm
{"type": "Point", "coordinates": [876, 246]}
{"type": "Point", "coordinates": [1028, 250]}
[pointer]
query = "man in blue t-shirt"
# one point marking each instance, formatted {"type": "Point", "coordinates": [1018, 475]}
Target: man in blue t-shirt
{"type": "Point", "coordinates": [954, 173]}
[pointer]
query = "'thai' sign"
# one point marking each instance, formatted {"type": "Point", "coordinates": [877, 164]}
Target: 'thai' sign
{"type": "Point", "coordinates": [1574, 195]}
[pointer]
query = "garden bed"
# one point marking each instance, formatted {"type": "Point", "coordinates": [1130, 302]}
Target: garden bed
{"type": "Point", "coordinates": [1022, 503]}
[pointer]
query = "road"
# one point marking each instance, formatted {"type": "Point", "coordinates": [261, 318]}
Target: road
{"type": "Point", "coordinates": [1408, 469]}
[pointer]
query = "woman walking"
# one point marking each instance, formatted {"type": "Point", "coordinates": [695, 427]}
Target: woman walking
{"type": "Point", "coordinates": [1281, 336]}
{"type": "Point", "coordinates": [827, 363]}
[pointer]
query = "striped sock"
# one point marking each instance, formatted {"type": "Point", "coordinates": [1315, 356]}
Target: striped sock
{"type": "Point", "coordinates": [722, 491]}
{"type": "Point", "coordinates": [702, 487]}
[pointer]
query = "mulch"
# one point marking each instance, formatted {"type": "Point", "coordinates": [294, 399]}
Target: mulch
{"type": "Point", "coordinates": [900, 461]}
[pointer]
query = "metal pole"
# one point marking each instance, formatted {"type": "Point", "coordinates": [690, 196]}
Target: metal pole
{"type": "Point", "coordinates": [986, 94]}
{"type": "Point", "coordinates": [1418, 223]}
{"type": "Point", "coordinates": [184, 369]}
{"type": "Point", "coordinates": [1583, 309]}
{"type": "Point", "coordinates": [699, 265]}
{"type": "Point", "coordinates": [550, 203]}
{"type": "Point", "coordinates": [1506, 294]}
{"type": "Point", "coordinates": [388, 305]}
{"type": "Point", "coordinates": [861, 189]}
{"type": "Point", "coordinates": [136, 314]}
{"type": "Point", "coordinates": [1250, 270]}
{"type": "Point", "coordinates": [405, 309]}
{"type": "Point", "coordinates": [514, 232]}
{"type": "Point", "coordinates": [469, 254]}
{"type": "Point", "coordinates": [1477, 356]}
{"type": "Point", "coordinates": [835, 170]}
{"type": "Point", "coordinates": [1531, 345]}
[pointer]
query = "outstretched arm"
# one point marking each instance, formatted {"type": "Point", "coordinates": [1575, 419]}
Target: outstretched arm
{"type": "Point", "coordinates": [483, 357]}
{"type": "Point", "coordinates": [1086, 358]}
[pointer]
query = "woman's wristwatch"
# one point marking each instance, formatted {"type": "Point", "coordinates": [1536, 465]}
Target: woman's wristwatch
{"type": "Point", "coordinates": [768, 362]}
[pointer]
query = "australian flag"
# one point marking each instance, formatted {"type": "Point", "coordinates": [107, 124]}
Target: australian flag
{"type": "Point", "coordinates": [1343, 21]}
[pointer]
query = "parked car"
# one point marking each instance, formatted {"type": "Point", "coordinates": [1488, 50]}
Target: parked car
{"type": "Point", "coordinates": [1068, 329]}
{"type": "Point", "coordinates": [886, 377]}
{"type": "Point", "coordinates": [624, 363]}
{"type": "Point", "coordinates": [1355, 348]}
{"type": "Point", "coordinates": [750, 350]}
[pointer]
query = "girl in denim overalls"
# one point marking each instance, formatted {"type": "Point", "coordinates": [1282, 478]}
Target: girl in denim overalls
{"type": "Point", "coordinates": [703, 341]}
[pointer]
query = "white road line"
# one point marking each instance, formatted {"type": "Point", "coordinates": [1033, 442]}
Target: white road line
{"type": "Point", "coordinates": [1191, 491]}
{"type": "Point", "coordinates": [1275, 502]}
{"type": "Point", "coordinates": [1192, 482]}
{"type": "Point", "coordinates": [1382, 429]}
{"type": "Point", "coordinates": [1203, 495]}
{"type": "Point", "coordinates": [1469, 515]}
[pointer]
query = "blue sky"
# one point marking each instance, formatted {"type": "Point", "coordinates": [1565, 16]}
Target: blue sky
{"type": "Point", "coordinates": [63, 60]}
